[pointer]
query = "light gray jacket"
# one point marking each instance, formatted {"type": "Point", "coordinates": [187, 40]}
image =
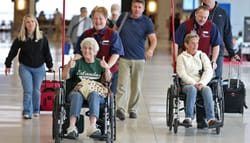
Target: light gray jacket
{"type": "Point", "coordinates": [73, 27]}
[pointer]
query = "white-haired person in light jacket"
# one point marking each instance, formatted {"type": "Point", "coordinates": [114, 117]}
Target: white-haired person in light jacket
{"type": "Point", "coordinates": [195, 70]}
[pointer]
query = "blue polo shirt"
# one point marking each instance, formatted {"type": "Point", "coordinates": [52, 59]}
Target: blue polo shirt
{"type": "Point", "coordinates": [134, 34]}
{"type": "Point", "coordinates": [181, 32]}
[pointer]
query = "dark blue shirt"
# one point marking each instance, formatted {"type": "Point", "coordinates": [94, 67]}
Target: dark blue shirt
{"type": "Point", "coordinates": [134, 34]}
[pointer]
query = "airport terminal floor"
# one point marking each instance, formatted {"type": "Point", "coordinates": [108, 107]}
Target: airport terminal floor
{"type": "Point", "coordinates": [149, 127]}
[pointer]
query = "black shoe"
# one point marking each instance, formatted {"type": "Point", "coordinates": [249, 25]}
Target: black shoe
{"type": "Point", "coordinates": [96, 135]}
{"type": "Point", "coordinates": [120, 114]}
{"type": "Point", "coordinates": [202, 125]}
{"type": "Point", "coordinates": [213, 124]}
{"type": "Point", "coordinates": [132, 115]}
{"type": "Point", "coordinates": [187, 123]}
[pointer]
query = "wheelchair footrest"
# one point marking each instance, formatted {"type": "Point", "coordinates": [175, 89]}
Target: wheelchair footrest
{"type": "Point", "coordinates": [99, 137]}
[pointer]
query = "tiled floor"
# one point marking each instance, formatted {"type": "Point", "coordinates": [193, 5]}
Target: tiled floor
{"type": "Point", "coordinates": [149, 127]}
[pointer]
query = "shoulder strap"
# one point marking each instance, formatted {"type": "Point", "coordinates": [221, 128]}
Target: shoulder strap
{"type": "Point", "coordinates": [76, 26]}
{"type": "Point", "coordinates": [123, 21]}
{"type": "Point", "coordinates": [202, 69]}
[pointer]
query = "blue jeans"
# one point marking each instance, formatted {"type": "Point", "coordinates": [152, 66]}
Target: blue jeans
{"type": "Point", "coordinates": [76, 101]}
{"type": "Point", "coordinates": [219, 62]}
{"type": "Point", "coordinates": [191, 94]}
{"type": "Point", "coordinates": [114, 82]}
{"type": "Point", "coordinates": [31, 79]}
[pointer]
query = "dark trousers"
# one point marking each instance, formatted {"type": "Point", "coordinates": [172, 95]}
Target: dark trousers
{"type": "Point", "coordinates": [200, 111]}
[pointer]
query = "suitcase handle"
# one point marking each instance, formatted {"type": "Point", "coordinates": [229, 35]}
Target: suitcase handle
{"type": "Point", "coordinates": [238, 74]}
{"type": "Point", "coordinates": [54, 77]}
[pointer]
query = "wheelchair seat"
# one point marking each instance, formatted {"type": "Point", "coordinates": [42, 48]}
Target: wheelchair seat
{"type": "Point", "coordinates": [175, 96]}
{"type": "Point", "coordinates": [106, 121]}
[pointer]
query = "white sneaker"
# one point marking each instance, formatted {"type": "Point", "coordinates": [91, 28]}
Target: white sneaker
{"type": "Point", "coordinates": [92, 131]}
{"type": "Point", "coordinates": [72, 132]}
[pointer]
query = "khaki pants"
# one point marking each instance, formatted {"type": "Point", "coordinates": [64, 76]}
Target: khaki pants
{"type": "Point", "coordinates": [130, 78]}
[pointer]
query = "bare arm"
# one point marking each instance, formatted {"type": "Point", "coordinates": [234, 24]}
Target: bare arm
{"type": "Point", "coordinates": [152, 46]}
{"type": "Point", "coordinates": [215, 53]}
{"type": "Point", "coordinates": [174, 53]}
{"type": "Point", "coordinates": [113, 59]}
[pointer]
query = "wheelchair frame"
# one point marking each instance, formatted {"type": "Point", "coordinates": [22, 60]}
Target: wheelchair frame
{"type": "Point", "coordinates": [59, 115]}
{"type": "Point", "coordinates": [174, 97]}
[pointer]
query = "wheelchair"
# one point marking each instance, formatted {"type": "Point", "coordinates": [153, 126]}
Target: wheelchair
{"type": "Point", "coordinates": [175, 96]}
{"type": "Point", "coordinates": [60, 114]}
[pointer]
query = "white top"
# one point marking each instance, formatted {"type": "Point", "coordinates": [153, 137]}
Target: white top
{"type": "Point", "coordinates": [188, 67]}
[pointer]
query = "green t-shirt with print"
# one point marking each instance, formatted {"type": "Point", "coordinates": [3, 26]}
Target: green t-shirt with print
{"type": "Point", "coordinates": [83, 70]}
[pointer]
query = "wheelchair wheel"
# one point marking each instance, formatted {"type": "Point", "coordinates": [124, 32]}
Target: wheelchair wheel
{"type": "Point", "coordinates": [219, 104]}
{"type": "Point", "coordinates": [58, 117]}
{"type": "Point", "coordinates": [218, 130]}
{"type": "Point", "coordinates": [112, 119]}
{"type": "Point", "coordinates": [176, 124]}
{"type": "Point", "coordinates": [169, 107]}
{"type": "Point", "coordinates": [109, 140]}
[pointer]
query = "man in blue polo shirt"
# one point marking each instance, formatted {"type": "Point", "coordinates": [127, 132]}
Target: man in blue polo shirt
{"type": "Point", "coordinates": [136, 29]}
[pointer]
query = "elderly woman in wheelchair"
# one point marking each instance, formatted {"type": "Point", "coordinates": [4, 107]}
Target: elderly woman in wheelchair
{"type": "Point", "coordinates": [87, 69]}
{"type": "Point", "coordinates": [195, 71]}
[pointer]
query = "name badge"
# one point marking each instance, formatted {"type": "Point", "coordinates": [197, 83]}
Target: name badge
{"type": "Point", "coordinates": [105, 42]}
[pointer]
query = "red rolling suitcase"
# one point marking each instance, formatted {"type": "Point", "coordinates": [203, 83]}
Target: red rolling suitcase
{"type": "Point", "coordinates": [48, 92]}
{"type": "Point", "coordinates": [234, 93]}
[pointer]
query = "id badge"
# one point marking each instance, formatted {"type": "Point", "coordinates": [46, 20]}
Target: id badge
{"type": "Point", "coordinates": [105, 42]}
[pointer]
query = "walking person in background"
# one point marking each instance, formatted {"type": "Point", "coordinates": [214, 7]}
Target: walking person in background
{"type": "Point", "coordinates": [58, 24]}
{"type": "Point", "coordinates": [78, 24]}
{"type": "Point", "coordinates": [115, 13]}
{"type": "Point", "coordinates": [34, 52]}
{"type": "Point", "coordinates": [177, 22]}
{"type": "Point", "coordinates": [136, 29]}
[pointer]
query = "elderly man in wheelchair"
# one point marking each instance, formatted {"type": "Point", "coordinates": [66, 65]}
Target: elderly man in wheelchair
{"type": "Point", "coordinates": [90, 71]}
{"type": "Point", "coordinates": [195, 71]}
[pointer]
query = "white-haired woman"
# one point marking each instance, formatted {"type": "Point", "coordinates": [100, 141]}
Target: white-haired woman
{"type": "Point", "coordinates": [87, 67]}
{"type": "Point", "coordinates": [34, 52]}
